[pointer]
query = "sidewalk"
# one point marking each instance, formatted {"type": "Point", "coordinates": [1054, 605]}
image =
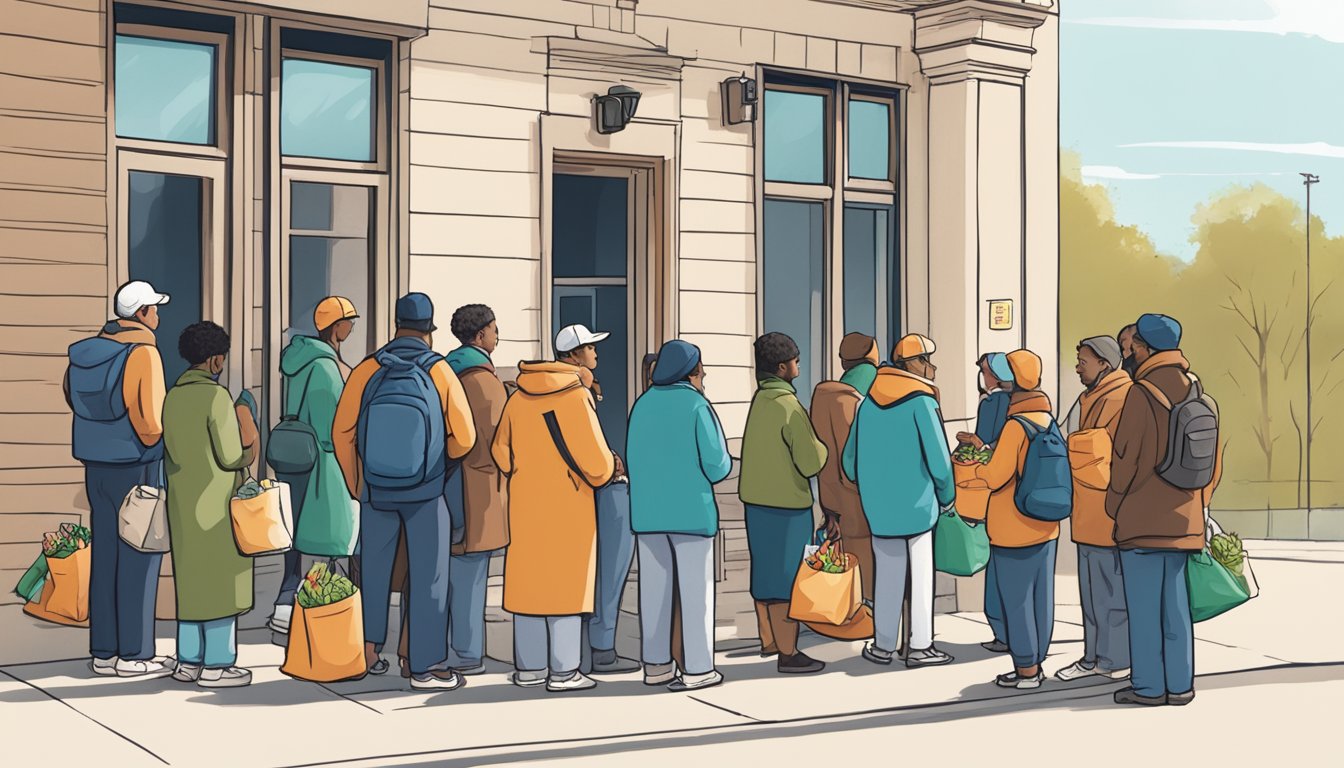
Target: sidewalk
{"type": "Point", "coordinates": [281, 722]}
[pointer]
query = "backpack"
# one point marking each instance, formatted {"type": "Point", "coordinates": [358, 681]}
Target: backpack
{"type": "Point", "coordinates": [1045, 490]}
{"type": "Point", "coordinates": [292, 447]}
{"type": "Point", "coordinates": [1192, 437]}
{"type": "Point", "coordinates": [401, 432]}
{"type": "Point", "coordinates": [102, 431]}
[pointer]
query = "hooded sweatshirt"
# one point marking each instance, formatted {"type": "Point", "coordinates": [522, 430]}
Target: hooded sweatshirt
{"type": "Point", "coordinates": [897, 452]}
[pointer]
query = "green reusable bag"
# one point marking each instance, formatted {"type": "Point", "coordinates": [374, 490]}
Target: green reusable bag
{"type": "Point", "coordinates": [959, 548]}
{"type": "Point", "coordinates": [30, 584]}
{"type": "Point", "coordinates": [1213, 588]}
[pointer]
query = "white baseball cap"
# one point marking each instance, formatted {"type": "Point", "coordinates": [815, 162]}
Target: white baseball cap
{"type": "Point", "coordinates": [572, 337]}
{"type": "Point", "coordinates": [135, 296]}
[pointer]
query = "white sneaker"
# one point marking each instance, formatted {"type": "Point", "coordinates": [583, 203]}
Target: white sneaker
{"type": "Point", "coordinates": [229, 677]}
{"type": "Point", "coordinates": [575, 682]}
{"type": "Point", "coordinates": [526, 679]}
{"type": "Point", "coordinates": [660, 674]}
{"type": "Point", "coordinates": [695, 682]}
{"type": "Point", "coordinates": [159, 666]}
{"type": "Point", "coordinates": [1076, 671]}
{"type": "Point", "coordinates": [187, 673]}
{"type": "Point", "coordinates": [279, 621]}
{"type": "Point", "coordinates": [438, 681]}
{"type": "Point", "coordinates": [105, 667]}
{"type": "Point", "coordinates": [1014, 680]}
{"type": "Point", "coordinates": [1117, 674]}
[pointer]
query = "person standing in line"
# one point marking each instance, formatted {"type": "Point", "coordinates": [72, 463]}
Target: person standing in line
{"type": "Point", "coordinates": [1095, 418]}
{"type": "Point", "coordinates": [1021, 547]}
{"type": "Point", "coordinates": [677, 452]}
{"type": "Point", "coordinates": [780, 454]}
{"type": "Point", "coordinates": [326, 519]}
{"type": "Point", "coordinates": [115, 389]}
{"type": "Point", "coordinates": [402, 417]}
{"type": "Point", "coordinates": [834, 404]}
{"type": "Point", "coordinates": [477, 496]}
{"type": "Point", "coordinates": [550, 445]}
{"type": "Point", "coordinates": [896, 451]}
{"type": "Point", "coordinates": [208, 452]}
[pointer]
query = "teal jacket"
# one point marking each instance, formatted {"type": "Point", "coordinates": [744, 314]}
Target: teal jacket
{"type": "Point", "coordinates": [897, 453]}
{"type": "Point", "coordinates": [676, 453]}
{"type": "Point", "coordinates": [328, 517]}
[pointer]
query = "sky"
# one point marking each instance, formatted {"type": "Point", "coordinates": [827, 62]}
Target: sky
{"type": "Point", "coordinates": [1169, 102]}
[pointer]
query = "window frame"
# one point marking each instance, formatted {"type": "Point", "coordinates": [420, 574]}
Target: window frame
{"type": "Point", "coordinates": [223, 119]}
{"type": "Point", "coordinates": [828, 141]}
{"type": "Point", "coordinates": [380, 127]}
{"type": "Point", "coordinates": [873, 185]}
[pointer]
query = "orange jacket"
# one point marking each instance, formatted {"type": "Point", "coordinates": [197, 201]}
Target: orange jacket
{"type": "Point", "coordinates": [1099, 409]}
{"type": "Point", "coordinates": [1007, 526]}
{"type": "Point", "coordinates": [460, 428]}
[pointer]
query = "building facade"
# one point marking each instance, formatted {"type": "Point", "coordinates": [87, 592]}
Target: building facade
{"type": "Point", "coordinates": [896, 172]}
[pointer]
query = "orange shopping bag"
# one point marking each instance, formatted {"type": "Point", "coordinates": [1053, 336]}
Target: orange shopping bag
{"type": "Point", "coordinates": [326, 643]}
{"type": "Point", "coordinates": [821, 592]}
{"type": "Point", "coordinates": [972, 492]}
{"type": "Point", "coordinates": [65, 596]}
{"type": "Point", "coordinates": [262, 524]}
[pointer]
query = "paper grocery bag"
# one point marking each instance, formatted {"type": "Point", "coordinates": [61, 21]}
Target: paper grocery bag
{"type": "Point", "coordinates": [326, 643]}
{"type": "Point", "coordinates": [857, 627]}
{"type": "Point", "coordinates": [972, 492]}
{"type": "Point", "coordinates": [825, 597]}
{"type": "Point", "coordinates": [65, 596]}
{"type": "Point", "coordinates": [262, 525]}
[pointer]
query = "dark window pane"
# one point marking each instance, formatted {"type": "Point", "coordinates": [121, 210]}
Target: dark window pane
{"type": "Point", "coordinates": [167, 249]}
{"type": "Point", "coordinates": [589, 236]}
{"type": "Point", "coordinates": [871, 278]}
{"type": "Point", "coordinates": [795, 137]}
{"type": "Point", "coordinates": [869, 140]}
{"type": "Point", "coordinates": [331, 258]}
{"type": "Point", "coordinates": [794, 285]}
{"type": "Point", "coordinates": [165, 90]}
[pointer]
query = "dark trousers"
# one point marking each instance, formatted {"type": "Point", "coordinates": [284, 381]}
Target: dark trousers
{"type": "Point", "coordinates": [428, 535]}
{"type": "Point", "coordinates": [124, 581]}
{"type": "Point", "coordinates": [1026, 579]}
{"type": "Point", "coordinates": [293, 572]}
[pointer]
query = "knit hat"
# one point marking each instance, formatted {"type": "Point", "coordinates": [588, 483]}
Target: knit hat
{"type": "Point", "coordinates": [1106, 348]}
{"type": "Point", "coordinates": [1026, 368]}
{"type": "Point", "coordinates": [676, 360]}
{"type": "Point", "coordinates": [1160, 332]}
{"type": "Point", "coordinates": [912, 346]}
{"type": "Point", "coordinates": [998, 365]}
{"type": "Point", "coordinates": [857, 348]}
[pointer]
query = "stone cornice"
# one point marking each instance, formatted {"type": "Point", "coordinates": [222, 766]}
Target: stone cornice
{"type": "Point", "coordinates": [609, 53]}
{"type": "Point", "coordinates": [977, 39]}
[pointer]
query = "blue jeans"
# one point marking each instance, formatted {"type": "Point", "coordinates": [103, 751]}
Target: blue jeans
{"type": "Point", "coordinates": [124, 581]}
{"type": "Point", "coordinates": [1105, 621]}
{"type": "Point", "coordinates": [1161, 634]}
{"type": "Point", "coordinates": [427, 534]}
{"type": "Point", "coordinates": [994, 607]}
{"type": "Point", "coordinates": [615, 551]}
{"type": "Point", "coordinates": [212, 644]}
{"type": "Point", "coordinates": [1026, 579]}
{"type": "Point", "coordinates": [467, 575]}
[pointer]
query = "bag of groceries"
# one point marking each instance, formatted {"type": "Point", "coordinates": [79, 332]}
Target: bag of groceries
{"type": "Point", "coordinates": [827, 588]}
{"type": "Point", "coordinates": [1214, 590]}
{"type": "Point", "coordinates": [1227, 549]}
{"type": "Point", "coordinates": [326, 634]}
{"type": "Point", "coordinates": [959, 547]}
{"type": "Point", "coordinates": [856, 627]}
{"type": "Point", "coordinates": [29, 588]}
{"type": "Point", "coordinates": [262, 522]}
{"type": "Point", "coordinates": [972, 491]}
{"type": "Point", "coordinates": [65, 593]}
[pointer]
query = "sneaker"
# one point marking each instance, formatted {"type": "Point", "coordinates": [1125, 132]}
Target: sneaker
{"type": "Point", "coordinates": [799, 664]}
{"type": "Point", "coordinates": [446, 680]}
{"type": "Point", "coordinates": [660, 674]}
{"type": "Point", "coordinates": [1131, 696]}
{"type": "Point", "coordinates": [279, 621]}
{"type": "Point", "coordinates": [104, 667]}
{"type": "Point", "coordinates": [876, 655]}
{"type": "Point", "coordinates": [696, 682]}
{"type": "Point", "coordinates": [1116, 674]}
{"type": "Point", "coordinates": [927, 657]}
{"type": "Point", "coordinates": [1014, 680]}
{"type": "Point", "coordinates": [575, 682]}
{"type": "Point", "coordinates": [147, 669]}
{"type": "Point", "coordinates": [187, 673]}
{"type": "Point", "coordinates": [478, 669]}
{"type": "Point", "coordinates": [995, 646]}
{"type": "Point", "coordinates": [608, 663]}
{"type": "Point", "coordinates": [1181, 699]}
{"type": "Point", "coordinates": [379, 667]}
{"type": "Point", "coordinates": [228, 677]}
{"type": "Point", "coordinates": [524, 679]}
{"type": "Point", "coordinates": [1077, 671]}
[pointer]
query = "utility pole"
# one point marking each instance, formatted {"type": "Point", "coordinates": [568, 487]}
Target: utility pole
{"type": "Point", "coordinates": [1307, 180]}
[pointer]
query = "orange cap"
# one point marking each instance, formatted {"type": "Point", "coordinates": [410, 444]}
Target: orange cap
{"type": "Point", "coordinates": [912, 346]}
{"type": "Point", "coordinates": [331, 309]}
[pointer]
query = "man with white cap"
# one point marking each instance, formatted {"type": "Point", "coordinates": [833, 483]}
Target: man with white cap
{"type": "Point", "coordinates": [115, 387]}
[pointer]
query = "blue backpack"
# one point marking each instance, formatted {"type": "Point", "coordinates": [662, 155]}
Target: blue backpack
{"type": "Point", "coordinates": [1045, 490]}
{"type": "Point", "coordinates": [401, 432]}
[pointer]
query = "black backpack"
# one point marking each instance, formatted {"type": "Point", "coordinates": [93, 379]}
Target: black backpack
{"type": "Point", "coordinates": [1192, 437]}
{"type": "Point", "coordinates": [292, 448]}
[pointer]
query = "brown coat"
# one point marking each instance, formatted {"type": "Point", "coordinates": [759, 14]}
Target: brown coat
{"type": "Point", "coordinates": [833, 407]}
{"type": "Point", "coordinates": [485, 491]}
{"type": "Point", "coordinates": [1099, 409]}
{"type": "Point", "coordinates": [1148, 511]}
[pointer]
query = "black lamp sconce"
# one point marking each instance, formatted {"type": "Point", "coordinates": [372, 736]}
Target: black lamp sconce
{"type": "Point", "coordinates": [739, 100]}
{"type": "Point", "coordinates": [615, 110]}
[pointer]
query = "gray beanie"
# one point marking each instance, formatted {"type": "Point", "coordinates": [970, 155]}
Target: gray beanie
{"type": "Point", "coordinates": [1107, 349]}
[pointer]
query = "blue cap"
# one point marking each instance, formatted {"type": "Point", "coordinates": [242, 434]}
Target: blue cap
{"type": "Point", "coordinates": [1160, 332]}
{"type": "Point", "coordinates": [998, 365]}
{"type": "Point", "coordinates": [416, 312]}
{"type": "Point", "coordinates": [676, 360]}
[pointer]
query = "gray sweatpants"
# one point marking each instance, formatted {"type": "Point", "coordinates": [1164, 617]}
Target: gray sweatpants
{"type": "Point", "coordinates": [693, 558]}
{"type": "Point", "coordinates": [890, 557]}
{"type": "Point", "coordinates": [1105, 617]}
{"type": "Point", "coordinates": [547, 642]}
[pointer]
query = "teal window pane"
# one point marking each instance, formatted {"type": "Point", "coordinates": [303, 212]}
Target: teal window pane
{"type": "Point", "coordinates": [165, 90]}
{"type": "Point", "coordinates": [869, 140]}
{"type": "Point", "coordinates": [326, 110]}
{"type": "Point", "coordinates": [795, 137]}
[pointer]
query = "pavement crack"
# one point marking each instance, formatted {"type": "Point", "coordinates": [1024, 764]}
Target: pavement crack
{"type": "Point", "coordinates": [104, 726]}
{"type": "Point", "coordinates": [729, 711]}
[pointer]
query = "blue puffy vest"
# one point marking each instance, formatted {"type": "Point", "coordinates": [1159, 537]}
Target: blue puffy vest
{"type": "Point", "coordinates": [103, 433]}
{"type": "Point", "coordinates": [401, 434]}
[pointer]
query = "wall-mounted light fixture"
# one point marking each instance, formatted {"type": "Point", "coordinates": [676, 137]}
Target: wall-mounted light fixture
{"type": "Point", "coordinates": [615, 110]}
{"type": "Point", "coordinates": [739, 100]}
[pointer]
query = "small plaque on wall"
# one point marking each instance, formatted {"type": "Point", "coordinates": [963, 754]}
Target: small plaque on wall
{"type": "Point", "coordinates": [1000, 314]}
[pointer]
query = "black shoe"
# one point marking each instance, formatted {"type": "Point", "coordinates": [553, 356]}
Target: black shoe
{"type": "Point", "coordinates": [1181, 699]}
{"type": "Point", "coordinates": [799, 664]}
{"type": "Point", "coordinates": [1130, 696]}
{"type": "Point", "coordinates": [995, 646]}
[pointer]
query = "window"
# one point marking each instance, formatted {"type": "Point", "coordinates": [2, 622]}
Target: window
{"type": "Point", "coordinates": [165, 90]}
{"type": "Point", "coordinates": [871, 279]}
{"type": "Point", "coordinates": [795, 283]}
{"type": "Point", "coordinates": [795, 136]}
{"type": "Point", "coordinates": [330, 245]}
{"type": "Point", "coordinates": [869, 139]}
{"type": "Point", "coordinates": [326, 110]}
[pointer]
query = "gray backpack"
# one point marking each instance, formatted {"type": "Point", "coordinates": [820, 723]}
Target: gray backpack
{"type": "Point", "coordinates": [1192, 437]}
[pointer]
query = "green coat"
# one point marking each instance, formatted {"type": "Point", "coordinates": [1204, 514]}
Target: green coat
{"type": "Point", "coordinates": [328, 519]}
{"type": "Point", "coordinates": [204, 463]}
{"type": "Point", "coordinates": [779, 450]}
